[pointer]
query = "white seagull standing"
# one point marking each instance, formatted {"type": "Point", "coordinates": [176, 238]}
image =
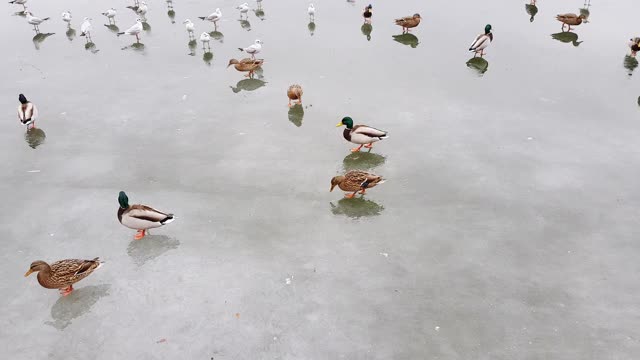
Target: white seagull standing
{"type": "Point", "coordinates": [205, 38]}
{"type": "Point", "coordinates": [86, 28]}
{"type": "Point", "coordinates": [135, 30]}
{"type": "Point", "coordinates": [20, 2]}
{"type": "Point", "coordinates": [66, 17]}
{"type": "Point", "coordinates": [188, 24]}
{"type": "Point", "coordinates": [253, 49]}
{"type": "Point", "coordinates": [312, 12]}
{"type": "Point", "coordinates": [142, 9]}
{"type": "Point", "coordinates": [110, 14]}
{"type": "Point", "coordinates": [244, 9]}
{"type": "Point", "coordinates": [214, 17]}
{"type": "Point", "coordinates": [35, 21]}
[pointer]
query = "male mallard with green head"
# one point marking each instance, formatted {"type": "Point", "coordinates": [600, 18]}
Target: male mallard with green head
{"type": "Point", "coordinates": [361, 134]}
{"type": "Point", "coordinates": [354, 181]}
{"type": "Point", "coordinates": [62, 274]}
{"type": "Point", "coordinates": [140, 217]}
{"type": "Point", "coordinates": [481, 42]}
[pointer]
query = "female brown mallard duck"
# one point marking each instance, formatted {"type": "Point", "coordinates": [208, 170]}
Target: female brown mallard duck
{"type": "Point", "coordinates": [63, 274]}
{"type": "Point", "coordinates": [354, 181]}
{"type": "Point", "coordinates": [408, 22]}
{"type": "Point", "coordinates": [246, 65]}
{"type": "Point", "coordinates": [295, 93]}
{"type": "Point", "coordinates": [140, 217]}
{"type": "Point", "coordinates": [570, 19]}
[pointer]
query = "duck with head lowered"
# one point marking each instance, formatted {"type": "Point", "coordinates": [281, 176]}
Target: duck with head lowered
{"type": "Point", "coordinates": [361, 134]}
{"type": "Point", "coordinates": [140, 217]}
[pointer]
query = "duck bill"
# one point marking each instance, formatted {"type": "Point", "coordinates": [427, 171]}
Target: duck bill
{"type": "Point", "coordinates": [332, 186]}
{"type": "Point", "coordinates": [28, 273]}
{"type": "Point", "coordinates": [339, 124]}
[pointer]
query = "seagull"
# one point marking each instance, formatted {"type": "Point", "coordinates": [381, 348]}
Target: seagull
{"type": "Point", "coordinates": [66, 17]}
{"type": "Point", "coordinates": [134, 30]}
{"type": "Point", "coordinates": [214, 17]}
{"type": "Point", "coordinates": [244, 9]}
{"type": "Point", "coordinates": [85, 29]}
{"type": "Point", "coordinates": [110, 14]}
{"type": "Point", "coordinates": [35, 21]}
{"type": "Point", "coordinates": [188, 24]}
{"type": "Point", "coordinates": [142, 9]}
{"type": "Point", "coordinates": [312, 12]}
{"type": "Point", "coordinates": [20, 2]}
{"type": "Point", "coordinates": [205, 38]}
{"type": "Point", "coordinates": [253, 49]}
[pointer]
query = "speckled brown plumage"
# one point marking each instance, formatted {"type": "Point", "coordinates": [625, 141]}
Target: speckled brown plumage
{"type": "Point", "coordinates": [356, 180]}
{"type": "Point", "coordinates": [64, 273]}
{"type": "Point", "coordinates": [408, 22]}
{"type": "Point", "coordinates": [246, 64]}
{"type": "Point", "coordinates": [570, 19]}
{"type": "Point", "coordinates": [295, 93]}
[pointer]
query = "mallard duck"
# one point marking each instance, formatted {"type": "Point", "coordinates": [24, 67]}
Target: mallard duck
{"type": "Point", "coordinates": [481, 42]}
{"type": "Point", "coordinates": [27, 112]}
{"type": "Point", "coordinates": [634, 45]}
{"type": "Point", "coordinates": [295, 93]}
{"type": "Point", "coordinates": [354, 181]}
{"type": "Point", "coordinates": [408, 22]}
{"type": "Point", "coordinates": [361, 134]}
{"type": "Point", "coordinates": [570, 19]}
{"type": "Point", "coordinates": [63, 274]}
{"type": "Point", "coordinates": [367, 14]}
{"type": "Point", "coordinates": [246, 65]}
{"type": "Point", "coordinates": [140, 217]}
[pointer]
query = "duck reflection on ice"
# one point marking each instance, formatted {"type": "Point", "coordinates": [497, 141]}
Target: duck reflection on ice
{"type": "Point", "coordinates": [39, 38]}
{"type": "Point", "coordinates": [34, 137]}
{"type": "Point", "coordinates": [366, 30]}
{"type": "Point", "coordinates": [362, 160]}
{"type": "Point", "coordinates": [312, 28]}
{"type": "Point", "coordinates": [480, 65]}
{"type": "Point", "coordinates": [248, 85]}
{"type": "Point", "coordinates": [71, 33]}
{"type": "Point", "coordinates": [150, 247]}
{"type": "Point", "coordinates": [259, 13]}
{"type": "Point", "coordinates": [531, 9]}
{"type": "Point", "coordinates": [630, 63]}
{"type": "Point", "coordinates": [356, 208]}
{"type": "Point", "coordinates": [78, 303]}
{"type": "Point", "coordinates": [296, 114]}
{"type": "Point", "coordinates": [407, 39]}
{"type": "Point", "coordinates": [567, 37]}
{"type": "Point", "coordinates": [170, 12]}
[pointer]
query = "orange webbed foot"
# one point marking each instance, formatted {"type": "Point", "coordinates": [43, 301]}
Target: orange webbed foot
{"type": "Point", "coordinates": [139, 235]}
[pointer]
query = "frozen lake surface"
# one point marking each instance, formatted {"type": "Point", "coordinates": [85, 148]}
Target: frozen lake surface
{"type": "Point", "coordinates": [507, 228]}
